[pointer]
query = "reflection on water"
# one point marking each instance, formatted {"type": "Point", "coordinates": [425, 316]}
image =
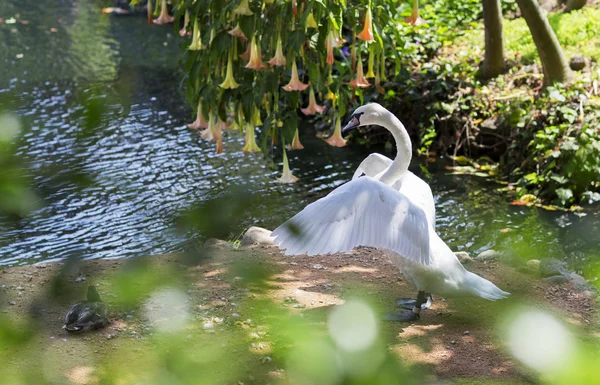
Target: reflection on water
{"type": "Point", "coordinates": [139, 165]}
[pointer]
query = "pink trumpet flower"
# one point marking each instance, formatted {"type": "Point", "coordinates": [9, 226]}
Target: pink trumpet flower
{"type": "Point", "coordinates": [359, 81]}
{"type": "Point", "coordinates": [286, 176]}
{"type": "Point", "coordinates": [312, 108]}
{"type": "Point", "coordinates": [164, 17]}
{"type": "Point", "coordinates": [336, 139]}
{"type": "Point", "coordinates": [243, 9]}
{"type": "Point", "coordinates": [367, 32]}
{"type": "Point", "coordinates": [150, 12]}
{"type": "Point", "coordinates": [246, 55]}
{"type": "Point", "coordinates": [237, 32]}
{"type": "Point", "coordinates": [330, 42]}
{"type": "Point", "coordinates": [414, 18]}
{"type": "Point", "coordinates": [229, 81]}
{"type": "Point", "coordinates": [295, 84]}
{"type": "Point", "coordinates": [255, 62]}
{"type": "Point", "coordinates": [296, 145]}
{"type": "Point", "coordinates": [278, 59]}
{"type": "Point", "coordinates": [196, 38]}
{"type": "Point", "coordinates": [213, 132]}
{"type": "Point", "coordinates": [186, 20]}
{"type": "Point", "coordinates": [199, 122]}
{"type": "Point", "coordinates": [251, 145]}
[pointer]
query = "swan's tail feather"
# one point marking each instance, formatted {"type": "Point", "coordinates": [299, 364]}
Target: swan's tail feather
{"type": "Point", "coordinates": [483, 288]}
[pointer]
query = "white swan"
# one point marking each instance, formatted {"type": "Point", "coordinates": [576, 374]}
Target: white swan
{"type": "Point", "coordinates": [368, 211]}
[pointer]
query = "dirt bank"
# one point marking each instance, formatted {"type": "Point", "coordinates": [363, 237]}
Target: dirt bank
{"type": "Point", "coordinates": [455, 339]}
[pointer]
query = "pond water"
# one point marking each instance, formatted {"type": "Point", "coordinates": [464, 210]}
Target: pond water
{"type": "Point", "coordinates": [111, 179]}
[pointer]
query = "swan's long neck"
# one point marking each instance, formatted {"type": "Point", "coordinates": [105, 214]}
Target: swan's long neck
{"type": "Point", "coordinates": [403, 146]}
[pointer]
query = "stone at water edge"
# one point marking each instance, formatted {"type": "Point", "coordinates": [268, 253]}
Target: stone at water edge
{"type": "Point", "coordinates": [550, 267]}
{"type": "Point", "coordinates": [214, 243]}
{"type": "Point", "coordinates": [463, 257]}
{"type": "Point", "coordinates": [489, 255]}
{"type": "Point", "coordinates": [577, 63]}
{"type": "Point", "coordinates": [556, 280]}
{"type": "Point", "coordinates": [257, 236]}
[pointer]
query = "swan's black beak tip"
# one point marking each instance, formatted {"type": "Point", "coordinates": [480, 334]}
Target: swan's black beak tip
{"type": "Point", "coordinates": [352, 125]}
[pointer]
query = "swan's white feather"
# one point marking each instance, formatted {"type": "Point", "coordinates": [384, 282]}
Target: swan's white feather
{"type": "Point", "coordinates": [363, 212]}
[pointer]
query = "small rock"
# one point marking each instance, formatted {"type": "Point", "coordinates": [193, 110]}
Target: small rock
{"type": "Point", "coordinates": [556, 280]}
{"type": "Point", "coordinates": [489, 255]}
{"type": "Point", "coordinates": [551, 267]}
{"type": "Point", "coordinates": [12, 303]}
{"type": "Point", "coordinates": [257, 236]}
{"type": "Point", "coordinates": [318, 266]}
{"type": "Point", "coordinates": [266, 359]}
{"type": "Point", "coordinates": [577, 63]}
{"type": "Point", "coordinates": [128, 316]}
{"type": "Point", "coordinates": [466, 333]}
{"type": "Point", "coordinates": [109, 336]}
{"type": "Point", "coordinates": [533, 264]}
{"type": "Point", "coordinates": [80, 279]}
{"type": "Point", "coordinates": [299, 306]}
{"type": "Point", "coordinates": [214, 243]}
{"type": "Point", "coordinates": [453, 342]}
{"type": "Point", "coordinates": [463, 257]}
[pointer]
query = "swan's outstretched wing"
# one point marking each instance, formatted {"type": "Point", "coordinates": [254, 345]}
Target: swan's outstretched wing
{"type": "Point", "coordinates": [363, 212]}
{"type": "Point", "coordinates": [372, 165]}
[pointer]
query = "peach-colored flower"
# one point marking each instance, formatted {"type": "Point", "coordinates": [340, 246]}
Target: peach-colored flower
{"type": "Point", "coordinates": [213, 132]}
{"type": "Point", "coordinates": [329, 44]}
{"type": "Point", "coordinates": [336, 139]}
{"type": "Point", "coordinates": [196, 38]}
{"type": "Point", "coordinates": [150, 12]}
{"type": "Point", "coordinates": [186, 20]}
{"type": "Point", "coordinates": [229, 81]}
{"type": "Point", "coordinates": [164, 17]}
{"type": "Point", "coordinates": [237, 32]}
{"type": "Point", "coordinates": [251, 145]}
{"type": "Point", "coordinates": [286, 176]}
{"type": "Point", "coordinates": [295, 84]}
{"type": "Point", "coordinates": [255, 62]}
{"type": "Point", "coordinates": [278, 59]}
{"type": "Point", "coordinates": [246, 55]}
{"type": "Point", "coordinates": [371, 62]}
{"type": "Point", "coordinates": [199, 122]}
{"type": "Point", "coordinates": [359, 81]}
{"type": "Point", "coordinates": [312, 107]}
{"type": "Point", "coordinates": [367, 32]}
{"type": "Point", "coordinates": [296, 145]}
{"type": "Point", "coordinates": [311, 22]}
{"type": "Point", "coordinates": [243, 9]}
{"type": "Point", "coordinates": [414, 18]}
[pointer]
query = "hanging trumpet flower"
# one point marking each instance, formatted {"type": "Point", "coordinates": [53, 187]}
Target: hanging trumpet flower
{"type": "Point", "coordinates": [278, 59]}
{"type": "Point", "coordinates": [243, 9]}
{"type": "Point", "coordinates": [295, 84]}
{"type": "Point", "coordinates": [359, 81]}
{"type": "Point", "coordinates": [164, 17]}
{"type": "Point", "coordinates": [336, 139]}
{"type": "Point", "coordinates": [255, 62]}
{"type": "Point", "coordinates": [371, 64]}
{"type": "Point", "coordinates": [149, 12]}
{"type": "Point", "coordinates": [213, 132]}
{"type": "Point", "coordinates": [367, 32]}
{"type": "Point", "coordinates": [199, 122]}
{"type": "Point", "coordinates": [251, 145]}
{"type": "Point", "coordinates": [312, 108]}
{"type": "Point", "coordinates": [186, 21]}
{"type": "Point", "coordinates": [256, 118]}
{"type": "Point", "coordinates": [196, 38]}
{"type": "Point", "coordinates": [286, 176]}
{"type": "Point", "coordinates": [330, 42]}
{"type": "Point", "coordinates": [296, 145]}
{"type": "Point", "coordinates": [311, 22]}
{"type": "Point", "coordinates": [414, 18]}
{"type": "Point", "coordinates": [237, 32]}
{"type": "Point", "coordinates": [229, 81]}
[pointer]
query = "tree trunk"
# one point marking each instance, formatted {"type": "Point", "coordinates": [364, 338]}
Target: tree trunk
{"type": "Point", "coordinates": [554, 62]}
{"type": "Point", "coordinates": [493, 63]}
{"type": "Point", "coordinates": [573, 5]}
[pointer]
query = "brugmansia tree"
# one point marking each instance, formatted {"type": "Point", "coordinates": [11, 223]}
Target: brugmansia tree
{"type": "Point", "coordinates": [259, 64]}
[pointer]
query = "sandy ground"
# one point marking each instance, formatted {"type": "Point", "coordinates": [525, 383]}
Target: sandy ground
{"type": "Point", "coordinates": [455, 340]}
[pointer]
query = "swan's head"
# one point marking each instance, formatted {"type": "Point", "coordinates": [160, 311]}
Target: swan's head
{"type": "Point", "coordinates": [368, 114]}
